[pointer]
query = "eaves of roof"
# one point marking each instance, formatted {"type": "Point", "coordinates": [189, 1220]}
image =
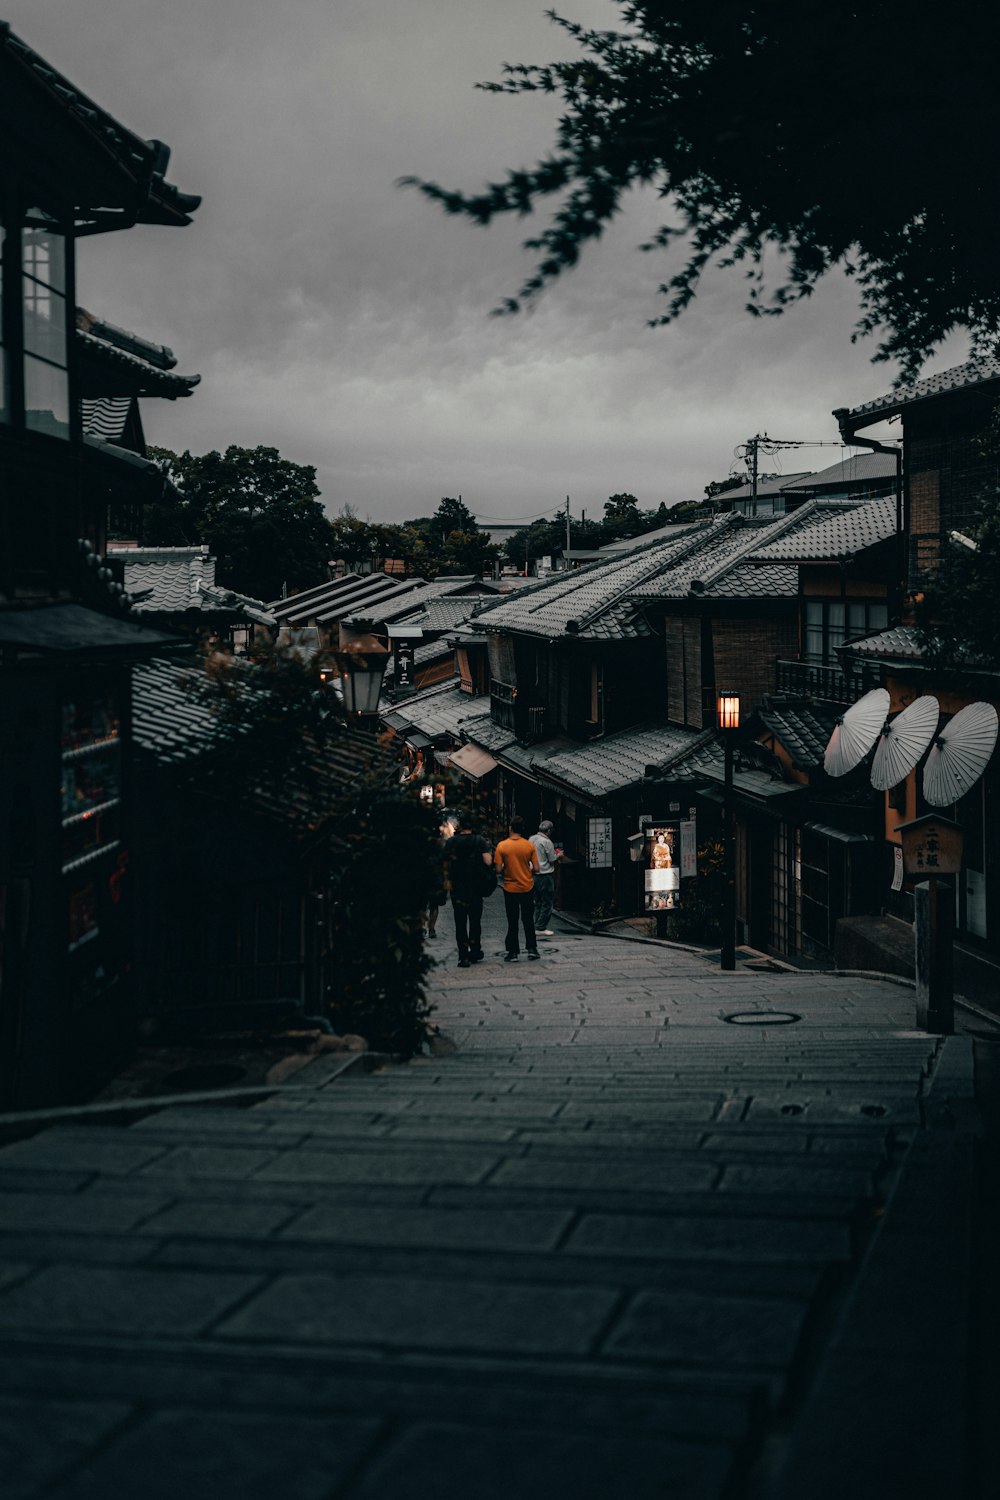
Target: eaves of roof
{"type": "Point", "coordinates": [608, 765]}
{"type": "Point", "coordinates": [803, 729]}
{"type": "Point", "coordinates": [824, 537]}
{"type": "Point", "coordinates": [116, 153]}
{"type": "Point", "coordinates": [132, 375]}
{"type": "Point", "coordinates": [974, 375]}
{"type": "Point", "coordinates": [340, 599]}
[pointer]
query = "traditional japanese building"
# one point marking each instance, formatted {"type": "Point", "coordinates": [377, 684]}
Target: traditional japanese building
{"type": "Point", "coordinates": [68, 636]}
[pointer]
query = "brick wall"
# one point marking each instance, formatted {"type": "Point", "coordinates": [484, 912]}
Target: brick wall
{"type": "Point", "coordinates": [745, 651]}
{"type": "Point", "coordinates": [684, 672]}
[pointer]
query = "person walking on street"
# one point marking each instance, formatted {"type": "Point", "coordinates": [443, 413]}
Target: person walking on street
{"type": "Point", "coordinates": [517, 859]}
{"type": "Point", "coordinates": [545, 880]}
{"type": "Point", "coordinates": [469, 859]}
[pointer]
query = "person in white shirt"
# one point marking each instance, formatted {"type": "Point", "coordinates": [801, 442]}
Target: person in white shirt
{"type": "Point", "coordinates": [545, 878]}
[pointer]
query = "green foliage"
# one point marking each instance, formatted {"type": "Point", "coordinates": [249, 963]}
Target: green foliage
{"type": "Point", "coordinates": [697, 919]}
{"type": "Point", "coordinates": [259, 513]}
{"type": "Point", "coordinates": [452, 515]}
{"type": "Point", "coordinates": [280, 726]}
{"type": "Point", "coordinates": [380, 879]}
{"type": "Point", "coordinates": [770, 126]}
{"type": "Point", "coordinates": [622, 518]}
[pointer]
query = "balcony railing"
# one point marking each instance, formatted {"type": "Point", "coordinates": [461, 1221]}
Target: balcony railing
{"type": "Point", "coordinates": [829, 684]}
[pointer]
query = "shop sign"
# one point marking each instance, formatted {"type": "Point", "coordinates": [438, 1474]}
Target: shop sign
{"type": "Point", "coordinates": [897, 868]}
{"type": "Point", "coordinates": [932, 845]}
{"type": "Point", "coordinates": [599, 843]}
{"type": "Point", "coordinates": [689, 848]}
{"type": "Point", "coordinates": [662, 873]}
{"type": "Point", "coordinates": [402, 657]}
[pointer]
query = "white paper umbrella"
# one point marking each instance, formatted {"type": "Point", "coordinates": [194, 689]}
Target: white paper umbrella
{"type": "Point", "coordinates": [856, 732]}
{"type": "Point", "coordinates": [903, 741]}
{"type": "Point", "coordinates": [959, 754]}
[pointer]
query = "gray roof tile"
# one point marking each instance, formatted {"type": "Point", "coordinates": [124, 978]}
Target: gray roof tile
{"type": "Point", "coordinates": [899, 643]}
{"type": "Point", "coordinates": [860, 468]}
{"type": "Point", "coordinates": [617, 761]}
{"type": "Point", "coordinates": [803, 729]}
{"type": "Point", "coordinates": [177, 580]}
{"type": "Point", "coordinates": [959, 377]}
{"type": "Point", "coordinates": [593, 598]}
{"type": "Point", "coordinates": [824, 537]}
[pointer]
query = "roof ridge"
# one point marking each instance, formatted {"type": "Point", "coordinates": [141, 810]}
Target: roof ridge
{"type": "Point", "coordinates": [775, 530]}
{"type": "Point", "coordinates": [689, 545]}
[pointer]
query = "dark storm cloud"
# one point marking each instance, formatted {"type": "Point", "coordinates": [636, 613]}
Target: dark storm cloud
{"type": "Point", "coordinates": [345, 321]}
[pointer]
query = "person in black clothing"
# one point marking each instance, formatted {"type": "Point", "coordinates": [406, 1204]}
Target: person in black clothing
{"type": "Point", "coordinates": [469, 858]}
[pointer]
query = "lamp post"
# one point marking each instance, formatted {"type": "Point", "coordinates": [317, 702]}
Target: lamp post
{"type": "Point", "coordinates": [728, 717]}
{"type": "Point", "coordinates": [363, 660]}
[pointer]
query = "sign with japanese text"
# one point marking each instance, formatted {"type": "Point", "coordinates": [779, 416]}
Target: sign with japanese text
{"type": "Point", "coordinates": [897, 868]}
{"type": "Point", "coordinates": [932, 845]}
{"type": "Point", "coordinates": [599, 843]}
{"type": "Point", "coordinates": [689, 848]}
{"type": "Point", "coordinates": [402, 654]}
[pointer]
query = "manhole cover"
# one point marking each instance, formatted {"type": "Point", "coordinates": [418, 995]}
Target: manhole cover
{"type": "Point", "coordinates": [209, 1076]}
{"type": "Point", "coordinates": [762, 1018]}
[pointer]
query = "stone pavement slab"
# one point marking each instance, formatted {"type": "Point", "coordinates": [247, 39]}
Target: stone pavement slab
{"type": "Point", "coordinates": [612, 1245]}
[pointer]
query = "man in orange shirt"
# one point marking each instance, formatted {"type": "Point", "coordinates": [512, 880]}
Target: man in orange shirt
{"type": "Point", "coordinates": [517, 859]}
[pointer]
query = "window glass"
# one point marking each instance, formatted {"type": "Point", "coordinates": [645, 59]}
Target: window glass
{"type": "Point", "coordinates": [44, 323]}
{"type": "Point", "coordinates": [856, 618]}
{"type": "Point", "coordinates": [878, 616]}
{"type": "Point", "coordinates": [46, 397]}
{"type": "Point", "coordinates": [44, 257]}
{"type": "Point", "coordinates": [814, 632]}
{"type": "Point", "coordinates": [837, 628]}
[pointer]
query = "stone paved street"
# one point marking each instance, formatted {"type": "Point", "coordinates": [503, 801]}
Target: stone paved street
{"type": "Point", "coordinates": [604, 1245]}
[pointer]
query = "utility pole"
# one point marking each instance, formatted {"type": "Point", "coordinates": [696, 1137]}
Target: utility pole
{"type": "Point", "coordinates": [752, 455]}
{"type": "Point", "coordinates": [568, 542]}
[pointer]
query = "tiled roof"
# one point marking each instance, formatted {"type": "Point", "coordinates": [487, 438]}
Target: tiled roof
{"type": "Point", "coordinates": [121, 338]}
{"type": "Point", "coordinates": [168, 718]}
{"type": "Point", "coordinates": [766, 488]}
{"type": "Point", "coordinates": [667, 533]}
{"type": "Point", "coordinates": [138, 376]}
{"type": "Point", "coordinates": [173, 723]}
{"type": "Point", "coordinates": [352, 595]}
{"type": "Point", "coordinates": [899, 643]}
{"type": "Point", "coordinates": [718, 565]}
{"type": "Point", "coordinates": [705, 761]}
{"type": "Point", "coordinates": [821, 537]}
{"type": "Point", "coordinates": [859, 469]}
{"type": "Point", "coordinates": [617, 761]}
{"type": "Point", "coordinates": [438, 711]}
{"type": "Point", "coordinates": [593, 601]}
{"type": "Point", "coordinates": [142, 163]}
{"type": "Point", "coordinates": [803, 729]}
{"type": "Point", "coordinates": [177, 580]}
{"type": "Point", "coordinates": [481, 730]}
{"type": "Point", "coordinates": [440, 614]}
{"type": "Point", "coordinates": [960, 377]}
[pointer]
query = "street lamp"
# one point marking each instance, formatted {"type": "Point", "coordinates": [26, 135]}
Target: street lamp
{"type": "Point", "coordinates": [363, 661]}
{"type": "Point", "coordinates": [728, 719]}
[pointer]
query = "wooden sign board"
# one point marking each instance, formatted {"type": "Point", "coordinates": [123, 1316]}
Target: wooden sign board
{"type": "Point", "coordinates": [932, 845]}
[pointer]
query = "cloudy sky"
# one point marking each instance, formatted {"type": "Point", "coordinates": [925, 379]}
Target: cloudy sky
{"type": "Point", "coordinates": [346, 322]}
